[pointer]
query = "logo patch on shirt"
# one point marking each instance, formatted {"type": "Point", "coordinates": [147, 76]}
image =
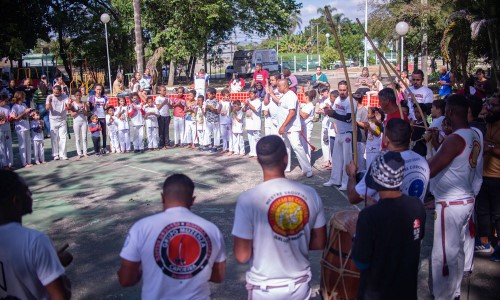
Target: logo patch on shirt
{"type": "Point", "coordinates": [288, 215]}
{"type": "Point", "coordinates": [474, 154]}
{"type": "Point", "coordinates": [182, 250]}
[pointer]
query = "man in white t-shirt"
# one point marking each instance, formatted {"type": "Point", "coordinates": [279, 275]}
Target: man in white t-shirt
{"type": "Point", "coordinates": [270, 108]}
{"type": "Point", "coordinates": [162, 104]}
{"type": "Point", "coordinates": [342, 150]}
{"type": "Point", "coordinates": [275, 225]}
{"type": "Point", "coordinates": [30, 267]}
{"type": "Point", "coordinates": [416, 173]}
{"type": "Point", "coordinates": [289, 125]}
{"type": "Point", "coordinates": [422, 93]}
{"type": "Point", "coordinates": [175, 252]}
{"type": "Point", "coordinates": [56, 106]}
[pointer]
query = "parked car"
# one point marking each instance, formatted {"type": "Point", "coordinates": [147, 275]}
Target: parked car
{"type": "Point", "coordinates": [229, 71]}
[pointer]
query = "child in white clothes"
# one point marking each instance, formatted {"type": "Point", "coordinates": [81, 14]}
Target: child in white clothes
{"type": "Point", "coordinates": [136, 114]}
{"type": "Point", "coordinates": [253, 122]}
{"type": "Point", "coordinates": [190, 111]}
{"type": "Point", "coordinates": [151, 117]}
{"type": "Point", "coordinates": [37, 126]}
{"type": "Point", "coordinates": [112, 124]}
{"type": "Point", "coordinates": [20, 115]}
{"type": "Point", "coordinates": [123, 126]}
{"type": "Point", "coordinates": [78, 111]}
{"type": "Point", "coordinates": [306, 117]}
{"type": "Point", "coordinates": [6, 154]}
{"type": "Point", "coordinates": [200, 120]}
{"type": "Point", "coordinates": [237, 129]}
{"type": "Point", "coordinates": [373, 135]}
{"type": "Point", "coordinates": [225, 122]}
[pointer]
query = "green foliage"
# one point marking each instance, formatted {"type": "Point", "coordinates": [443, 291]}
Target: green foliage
{"type": "Point", "coordinates": [329, 56]}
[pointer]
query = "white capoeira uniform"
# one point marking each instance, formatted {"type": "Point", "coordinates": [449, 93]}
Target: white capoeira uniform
{"type": "Point", "coordinates": [190, 121]}
{"type": "Point", "coordinates": [37, 135]}
{"type": "Point", "coordinates": [225, 125]}
{"type": "Point", "coordinates": [373, 144]}
{"type": "Point", "coordinates": [326, 127]}
{"type": "Point", "coordinates": [112, 125]}
{"type": "Point", "coordinates": [136, 113]}
{"type": "Point", "coordinates": [212, 123]}
{"type": "Point", "coordinates": [123, 128]}
{"type": "Point", "coordinates": [23, 133]}
{"type": "Point", "coordinates": [200, 84]}
{"type": "Point", "coordinates": [291, 136]}
{"type": "Point", "coordinates": [271, 119]}
{"type": "Point", "coordinates": [278, 216]}
{"type": "Point", "coordinates": [342, 150]}
{"type": "Point", "coordinates": [253, 125]}
{"type": "Point", "coordinates": [237, 132]}
{"type": "Point", "coordinates": [307, 126]}
{"type": "Point", "coordinates": [80, 128]}
{"type": "Point", "coordinates": [58, 125]}
{"type": "Point", "coordinates": [152, 127]}
{"type": "Point", "coordinates": [454, 189]}
{"type": "Point", "coordinates": [200, 126]}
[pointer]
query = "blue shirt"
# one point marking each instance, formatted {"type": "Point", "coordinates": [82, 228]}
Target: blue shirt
{"type": "Point", "coordinates": [445, 89]}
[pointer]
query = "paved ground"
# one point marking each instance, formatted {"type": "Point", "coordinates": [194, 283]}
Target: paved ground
{"type": "Point", "coordinates": [91, 204]}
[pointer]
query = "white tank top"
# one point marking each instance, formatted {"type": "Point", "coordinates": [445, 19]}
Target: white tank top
{"type": "Point", "coordinates": [455, 182]}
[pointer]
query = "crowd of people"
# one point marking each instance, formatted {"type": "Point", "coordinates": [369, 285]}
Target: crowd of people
{"type": "Point", "coordinates": [401, 164]}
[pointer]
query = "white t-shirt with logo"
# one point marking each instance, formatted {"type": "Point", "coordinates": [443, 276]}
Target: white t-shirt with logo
{"type": "Point", "coordinates": [252, 119]}
{"type": "Point", "coordinates": [225, 112]}
{"type": "Point", "coordinates": [137, 117]}
{"type": "Point", "coordinates": [288, 102]}
{"type": "Point", "coordinates": [36, 130]}
{"type": "Point", "coordinates": [57, 112]}
{"type": "Point", "coordinates": [177, 250]}
{"type": "Point", "coordinates": [112, 125]}
{"type": "Point", "coordinates": [23, 123]}
{"type": "Point", "coordinates": [342, 107]}
{"type": "Point", "coordinates": [415, 178]}
{"type": "Point", "coordinates": [422, 95]}
{"type": "Point", "coordinates": [238, 124]}
{"type": "Point", "coordinates": [278, 216]}
{"type": "Point", "coordinates": [99, 104]}
{"type": "Point", "coordinates": [152, 120]}
{"type": "Point", "coordinates": [164, 111]}
{"type": "Point", "coordinates": [29, 262]}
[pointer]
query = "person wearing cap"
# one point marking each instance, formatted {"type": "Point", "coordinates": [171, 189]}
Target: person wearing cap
{"type": "Point", "coordinates": [387, 236]}
{"type": "Point", "coordinates": [276, 224]}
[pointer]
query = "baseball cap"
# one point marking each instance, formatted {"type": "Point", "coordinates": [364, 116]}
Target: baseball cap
{"type": "Point", "coordinates": [386, 172]}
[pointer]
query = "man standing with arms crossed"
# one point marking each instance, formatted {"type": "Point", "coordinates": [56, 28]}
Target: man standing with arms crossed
{"type": "Point", "coordinates": [276, 224]}
{"type": "Point", "coordinates": [456, 178]}
{"type": "Point", "coordinates": [289, 125]}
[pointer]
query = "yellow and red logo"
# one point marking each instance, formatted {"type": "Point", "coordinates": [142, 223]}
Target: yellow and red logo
{"type": "Point", "coordinates": [474, 154]}
{"type": "Point", "coordinates": [288, 215]}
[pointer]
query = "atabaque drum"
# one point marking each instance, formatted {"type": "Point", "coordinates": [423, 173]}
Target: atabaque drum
{"type": "Point", "coordinates": [339, 274]}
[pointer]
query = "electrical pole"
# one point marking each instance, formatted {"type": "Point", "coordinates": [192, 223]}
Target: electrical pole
{"type": "Point", "coordinates": [424, 46]}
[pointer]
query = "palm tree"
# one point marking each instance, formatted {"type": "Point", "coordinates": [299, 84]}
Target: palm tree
{"type": "Point", "coordinates": [295, 22]}
{"type": "Point", "coordinates": [139, 47]}
{"type": "Point", "coordinates": [321, 11]}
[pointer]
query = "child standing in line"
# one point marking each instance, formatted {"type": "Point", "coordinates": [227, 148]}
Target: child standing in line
{"type": "Point", "coordinates": [151, 117]}
{"type": "Point", "coordinates": [20, 116]}
{"type": "Point", "coordinates": [112, 123]}
{"type": "Point", "coordinates": [95, 132]}
{"type": "Point", "coordinates": [123, 126]}
{"type": "Point", "coordinates": [306, 117]}
{"type": "Point", "coordinates": [190, 111]}
{"type": "Point", "coordinates": [37, 126]}
{"type": "Point", "coordinates": [136, 114]}
{"type": "Point", "coordinates": [78, 110]}
{"type": "Point", "coordinates": [373, 135]}
{"type": "Point", "coordinates": [237, 130]}
{"type": "Point", "coordinates": [6, 154]}
{"type": "Point", "coordinates": [212, 124]}
{"type": "Point", "coordinates": [178, 103]}
{"type": "Point", "coordinates": [200, 120]}
{"type": "Point", "coordinates": [225, 122]}
{"type": "Point", "coordinates": [252, 121]}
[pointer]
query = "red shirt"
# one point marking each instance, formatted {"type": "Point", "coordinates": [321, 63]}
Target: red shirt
{"type": "Point", "coordinates": [178, 109]}
{"type": "Point", "coordinates": [262, 76]}
{"type": "Point", "coordinates": [395, 115]}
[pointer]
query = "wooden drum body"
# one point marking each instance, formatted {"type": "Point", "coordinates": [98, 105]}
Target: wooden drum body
{"type": "Point", "coordinates": [339, 274]}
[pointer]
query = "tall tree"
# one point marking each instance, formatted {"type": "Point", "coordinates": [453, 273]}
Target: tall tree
{"type": "Point", "coordinates": [139, 47]}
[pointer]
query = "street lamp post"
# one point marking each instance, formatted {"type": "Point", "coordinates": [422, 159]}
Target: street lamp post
{"type": "Point", "coordinates": [105, 19]}
{"type": "Point", "coordinates": [402, 29]}
{"type": "Point", "coordinates": [366, 30]}
{"type": "Point", "coordinates": [327, 41]}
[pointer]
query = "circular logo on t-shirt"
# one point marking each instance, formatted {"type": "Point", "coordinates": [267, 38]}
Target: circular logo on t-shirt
{"type": "Point", "coordinates": [182, 250]}
{"type": "Point", "coordinates": [474, 154]}
{"type": "Point", "coordinates": [414, 182]}
{"type": "Point", "coordinates": [288, 215]}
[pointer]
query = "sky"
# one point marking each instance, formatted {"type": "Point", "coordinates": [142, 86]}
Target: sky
{"type": "Point", "coordinates": [352, 9]}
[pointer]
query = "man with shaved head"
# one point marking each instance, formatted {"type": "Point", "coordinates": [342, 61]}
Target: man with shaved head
{"type": "Point", "coordinates": [289, 125]}
{"type": "Point", "coordinates": [175, 252]}
{"type": "Point", "coordinates": [275, 225]}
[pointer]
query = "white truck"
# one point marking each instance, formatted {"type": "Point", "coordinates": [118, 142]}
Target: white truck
{"type": "Point", "coordinates": [244, 61]}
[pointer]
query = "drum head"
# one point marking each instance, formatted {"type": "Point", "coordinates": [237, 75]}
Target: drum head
{"type": "Point", "coordinates": [339, 219]}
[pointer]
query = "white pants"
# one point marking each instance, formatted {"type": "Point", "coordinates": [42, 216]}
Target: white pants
{"type": "Point", "coordinates": [289, 289]}
{"type": "Point", "coordinates": [227, 136]}
{"type": "Point", "coordinates": [456, 219]}
{"type": "Point", "coordinates": [80, 130]}
{"type": "Point", "coordinates": [115, 141]}
{"type": "Point", "coordinates": [292, 141]}
{"type": "Point", "coordinates": [370, 156]}
{"type": "Point", "coordinates": [361, 156]}
{"type": "Point", "coordinates": [200, 130]}
{"type": "Point", "coordinates": [325, 148]}
{"type": "Point", "coordinates": [58, 135]}
{"type": "Point", "coordinates": [153, 137]}
{"type": "Point", "coordinates": [212, 129]}
{"type": "Point", "coordinates": [238, 143]}
{"type": "Point", "coordinates": [469, 248]}
{"type": "Point", "coordinates": [307, 131]}
{"type": "Point", "coordinates": [38, 151]}
{"type": "Point", "coordinates": [6, 154]}
{"type": "Point", "coordinates": [342, 155]}
{"type": "Point", "coordinates": [190, 132]}
{"type": "Point", "coordinates": [178, 130]}
{"type": "Point", "coordinates": [138, 137]}
{"type": "Point", "coordinates": [124, 138]}
{"type": "Point", "coordinates": [271, 129]}
{"type": "Point", "coordinates": [24, 140]}
{"type": "Point", "coordinates": [253, 138]}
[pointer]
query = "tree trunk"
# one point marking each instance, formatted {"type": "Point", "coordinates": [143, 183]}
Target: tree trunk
{"type": "Point", "coordinates": [424, 48]}
{"type": "Point", "coordinates": [205, 57]}
{"type": "Point", "coordinates": [62, 52]}
{"type": "Point", "coordinates": [495, 54]}
{"type": "Point", "coordinates": [171, 74]}
{"type": "Point", "coordinates": [139, 47]}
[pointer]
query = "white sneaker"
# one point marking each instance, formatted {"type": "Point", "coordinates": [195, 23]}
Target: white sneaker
{"type": "Point", "coordinates": [329, 183]}
{"type": "Point", "coordinates": [309, 174]}
{"type": "Point", "coordinates": [64, 157]}
{"type": "Point", "coordinates": [56, 157]}
{"type": "Point", "coordinates": [343, 188]}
